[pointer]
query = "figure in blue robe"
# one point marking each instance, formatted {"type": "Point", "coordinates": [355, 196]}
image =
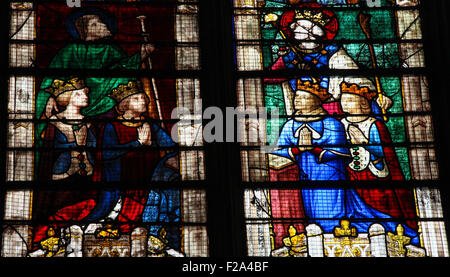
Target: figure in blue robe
{"type": "Point", "coordinates": [321, 164]}
{"type": "Point", "coordinates": [58, 161]}
{"type": "Point", "coordinates": [63, 149]}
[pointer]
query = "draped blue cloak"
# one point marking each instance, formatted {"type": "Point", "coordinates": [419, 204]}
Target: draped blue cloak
{"type": "Point", "coordinates": [63, 150]}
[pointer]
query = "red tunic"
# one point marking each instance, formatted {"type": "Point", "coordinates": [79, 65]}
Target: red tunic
{"type": "Point", "coordinates": [394, 202]}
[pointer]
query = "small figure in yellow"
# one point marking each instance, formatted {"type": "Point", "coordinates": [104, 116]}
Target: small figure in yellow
{"type": "Point", "coordinates": [345, 230]}
{"type": "Point", "coordinates": [295, 242]}
{"type": "Point", "coordinates": [52, 244]}
{"type": "Point", "coordinates": [158, 245]}
{"type": "Point", "coordinates": [107, 232]}
{"type": "Point", "coordinates": [400, 239]}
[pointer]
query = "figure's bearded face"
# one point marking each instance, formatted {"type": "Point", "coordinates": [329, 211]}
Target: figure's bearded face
{"type": "Point", "coordinates": [307, 32]}
{"type": "Point", "coordinates": [96, 29]}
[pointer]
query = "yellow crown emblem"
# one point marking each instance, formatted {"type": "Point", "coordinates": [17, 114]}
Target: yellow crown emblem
{"type": "Point", "coordinates": [58, 87]}
{"type": "Point", "coordinates": [315, 89]}
{"type": "Point", "coordinates": [318, 18]}
{"type": "Point", "coordinates": [123, 91]}
{"type": "Point", "coordinates": [361, 91]}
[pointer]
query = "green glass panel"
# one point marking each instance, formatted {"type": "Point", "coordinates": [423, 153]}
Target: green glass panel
{"type": "Point", "coordinates": [382, 25]}
{"type": "Point", "coordinates": [274, 99]}
{"type": "Point", "coordinates": [396, 125]}
{"type": "Point", "coordinates": [403, 158]}
{"type": "Point", "coordinates": [386, 55]}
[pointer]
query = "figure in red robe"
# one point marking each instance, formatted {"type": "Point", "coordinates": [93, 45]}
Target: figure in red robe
{"type": "Point", "coordinates": [373, 157]}
{"type": "Point", "coordinates": [122, 157]}
{"type": "Point", "coordinates": [130, 150]}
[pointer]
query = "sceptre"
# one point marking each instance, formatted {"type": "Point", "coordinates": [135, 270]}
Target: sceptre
{"type": "Point", "coordinates": [141, 19]}
{"type": "Point", "coordinates": [364, 21]}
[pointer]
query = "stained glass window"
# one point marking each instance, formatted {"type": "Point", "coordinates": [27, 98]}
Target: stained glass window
{"type": "Point", "coordinates": [338, 149]}
{"type": "Point", "coordinates": [97, 165]}
{"type": "Point", "coordinates": [113, 147]}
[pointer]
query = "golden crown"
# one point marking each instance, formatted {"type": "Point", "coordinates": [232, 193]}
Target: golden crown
{"type": "Point", "coordinates": [318, 18]}
{"type": "Point", "coordinates": [361, 91]}
{"type": "Point", "coordinates": [123, 91]}
{"type": "Point", "coordinates": [58, 87]}
{"type": "Point", "coordinates": [315, 89]}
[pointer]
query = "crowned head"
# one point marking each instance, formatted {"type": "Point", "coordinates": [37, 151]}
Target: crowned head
{"type": "Point", "coordinates": [309, 98]}
{"type": "Point", "coordinates": [131, 98]}
{"type": "Point", "coordinates": [69, 92]}
{"type": "Point", "coordinates": [309, 23]}
{"type": "Point", "coordinates": [356, 99]}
